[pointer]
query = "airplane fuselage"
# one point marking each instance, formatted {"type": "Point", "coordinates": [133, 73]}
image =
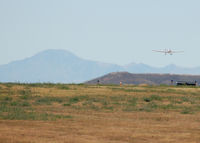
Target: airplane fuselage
{"type": "Point", "coordinates": [168, 51]}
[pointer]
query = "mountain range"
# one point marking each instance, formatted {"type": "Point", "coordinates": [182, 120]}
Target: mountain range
{"type": "Point", "coordinates": [61, 66]}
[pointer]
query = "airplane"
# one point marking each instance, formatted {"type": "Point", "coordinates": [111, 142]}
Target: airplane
{"type": "Point", "coordinates": [167, 51]}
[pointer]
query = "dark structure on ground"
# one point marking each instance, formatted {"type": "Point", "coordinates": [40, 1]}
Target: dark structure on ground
{"type": "Point", "coordinates": [151, 79]}
{"type": "Point", "coordinates": [186, 83]}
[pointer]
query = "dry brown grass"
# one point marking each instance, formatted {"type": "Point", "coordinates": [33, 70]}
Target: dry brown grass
{"type": "Point", "coordinates": [90, 124]}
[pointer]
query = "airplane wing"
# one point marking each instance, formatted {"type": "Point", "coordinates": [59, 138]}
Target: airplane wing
{"type": "Point", "coordinates": [177, 51]}
{"type": "Point", "coordinates": [159, 51]}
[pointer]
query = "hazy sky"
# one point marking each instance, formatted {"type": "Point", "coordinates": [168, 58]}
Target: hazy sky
{"type": "Point", "coordinates": [113, 31]}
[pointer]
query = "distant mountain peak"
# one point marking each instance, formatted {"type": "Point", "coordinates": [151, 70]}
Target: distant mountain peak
{"type": "Point", "coordinates": [56, 52]}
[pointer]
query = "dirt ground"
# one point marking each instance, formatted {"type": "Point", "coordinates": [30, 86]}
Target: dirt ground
{"type": "Point", "coordinates": [105, 128]}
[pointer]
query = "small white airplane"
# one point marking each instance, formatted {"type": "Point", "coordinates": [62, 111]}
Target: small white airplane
{"type": "Point", "coordinates": [168, 51]}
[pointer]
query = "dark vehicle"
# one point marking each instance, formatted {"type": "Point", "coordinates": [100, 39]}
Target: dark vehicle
{"type": "Point", "coordinates": [187, 83]}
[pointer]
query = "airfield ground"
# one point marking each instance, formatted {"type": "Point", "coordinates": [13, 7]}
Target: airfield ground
{"type": "Point", "coordinates": [58, 113]}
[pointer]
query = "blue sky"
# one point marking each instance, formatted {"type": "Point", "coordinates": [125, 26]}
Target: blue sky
{"type": "Point", "coordinates": [112, 31]}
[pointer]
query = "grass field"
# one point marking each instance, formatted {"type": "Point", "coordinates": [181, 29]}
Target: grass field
{"type": "Point", "coordinates": [63, 113]}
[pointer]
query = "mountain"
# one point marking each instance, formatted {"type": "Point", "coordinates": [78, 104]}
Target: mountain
{"type": "Point", "coordinates": [65, 67]}
{"type": "Point", "coordinates": [54, 66]}
{"type": "Point", "coordinates": [129, 78]}
{"type": "Point", "coordinates": [173, 69]}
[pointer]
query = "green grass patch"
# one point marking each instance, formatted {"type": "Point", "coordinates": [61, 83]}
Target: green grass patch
{"type": "Point", "coordinates": [67, 104]}
{"type": "Point", "coordinates": [111, 108]}
{"type": "Point", "coordinates": [19, 111]}
{"type": "Point", "coordinates": [74, 100]}
{"type": "Point", "coordinates": [168, 107]}
{"type": "Point", "coordinates": [48, 100]}
{"type": "Point", "coordinates": [132, 101]}
{"type": "Point", "coordinates": [187, 110]}
{"type": "Point", "coordinates": [63, 87]}
{"type": "Point", "coordinates": [152, 98]}
{"type": "Point", "coordinates": [7, 98]}
{"type": "Point", "coordinates": [19, 114]}
{"type": "Point", "coordinates": [149, 107]}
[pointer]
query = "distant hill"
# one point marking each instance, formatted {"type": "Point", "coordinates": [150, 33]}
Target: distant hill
{"type": "Point", "coordinates": [65, 67]}
{"type": "Point", "coordinates": [153, 79]}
